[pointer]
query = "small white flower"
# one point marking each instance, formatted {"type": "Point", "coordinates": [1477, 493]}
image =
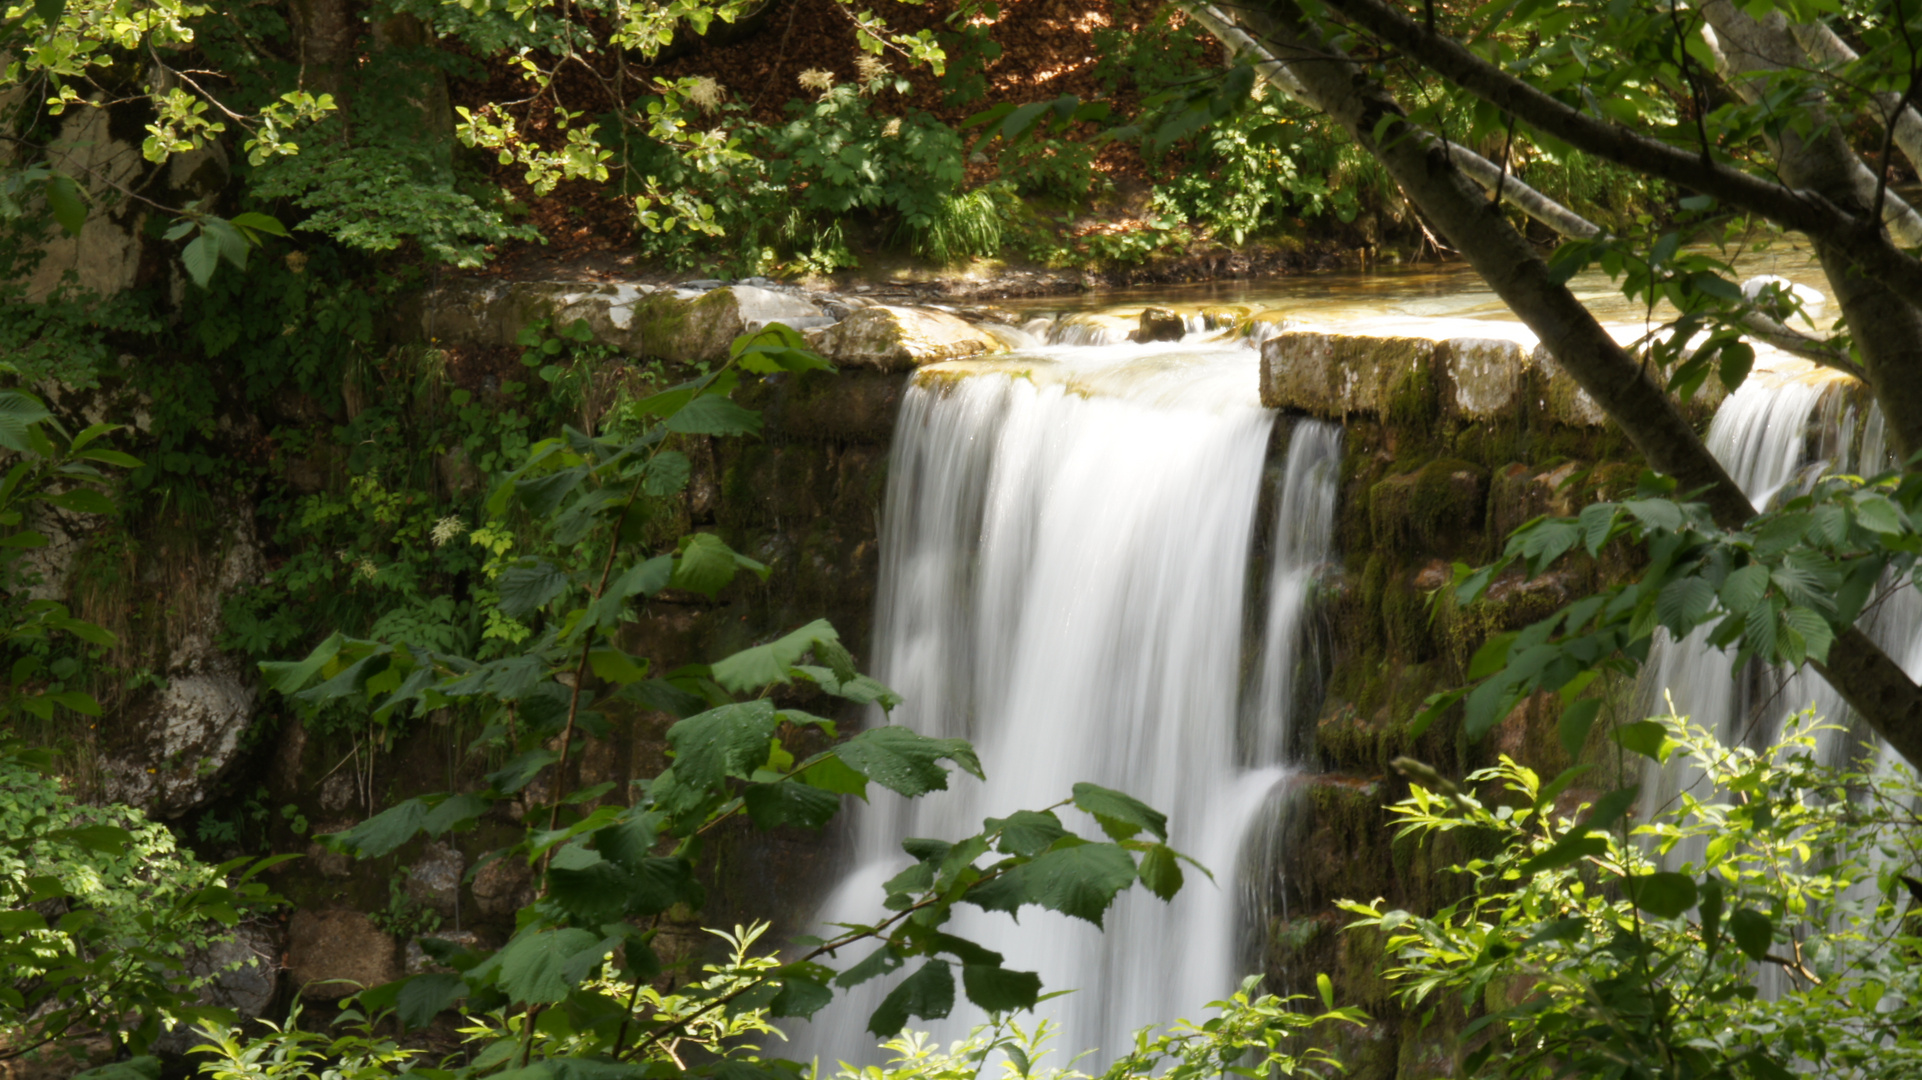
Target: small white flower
{"type": "Point", "coordinates": [892, 128]}
{"type": "Point", "coordinates": [366, 568]}
{"type": "Point", "coordinates": [816, 79]}
{"type": "Point", "coordinates": [870, 67]}
{"type": "Point", "coordinates": [446, 529]}
{"type": "Point", "coordinates": [706, 93]}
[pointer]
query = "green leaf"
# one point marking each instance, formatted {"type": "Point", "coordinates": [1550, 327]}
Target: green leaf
{"type": "Point", "coordinates": [800, 996]}
{"type": "Point", "coordinates": [1665, 894]}
{"type": "Point", "coordinates": [424, 997]}
{"type": "Point", "coordinates": [1683, 603]}
{"type": "Point", "coordinates": [529, 967]}
{"type": "Point", "coordinates": [201, 257]}
{"type": "Point", "coordinates": [790, 802]}
{"type": "Point", "coordinates": [1121, 816]}
{"type": "Point", "coordinates": [260, 223]}
{"type": "Point", "coordinates": [1326, 988]}
{"type": "Point", "coordinates": [528, 585]}
{"type": "Point", "coordinates": [383, 832]}
{"type": "Point", "coordinates": [904, 761]}
{"type": "Point", "coordinates": [928, 994]}
{"type": "Point", "coordinates": [18, 413]}
{"type": "Point", "coordinates": [143, 1067]}
{"type": "Point", "coordinates": [1027, 833]}
{"type": "Point", "coordinates": [1161, 871]}
{"type": "Point", "coordinates": [830, 773]}
{"type": "Point", "coordinates": [1752, 931]}
{"type": "Point", "coordinates": [616, 666]}
{"type": "Point", "coordinates": [1816, 633]}
{"type": "Point", "coordinates": [1081, 881]}
{"type": "Point", "coordinates": [731, 740]}
{"type": "Point", "coordinates": [713, 414]}
{"type": "Point", "coordinates": [1745, 587]}
{"type": "Point", "coordinates": [706, 564]}
{"type": "Point", "coordinates": [292, 676]}
{"type": "Point", "coordinates": [667, 474]}
{"type": "Point", "coordinates": [64, 199]}
{"type": "Point", "coordinates": [765, 665]}
{"type": "Point", "coordinates": [542, 494]}
{"type": "Point", "coordinates": [1575, 724]}
{"type": "Point", "coordinates": [50, 12]}
{"type": "Point", "coordinates": [1647, 738]}
{"type": "Point", "coordinates": [106, 839]}
{"type": "Point", "coordinates": [998, 989]}
{"type": "Point", "coordinates": [1568, 849]}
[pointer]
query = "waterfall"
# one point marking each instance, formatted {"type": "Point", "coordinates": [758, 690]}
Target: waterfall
{"type": "Point", "coordinates": [1065, 574]}
{"type": "Point", "coordinates": [1775, 435]}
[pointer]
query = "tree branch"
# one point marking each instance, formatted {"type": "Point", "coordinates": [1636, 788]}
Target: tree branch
{"type": "Point", "coordinates": [1859, 237]}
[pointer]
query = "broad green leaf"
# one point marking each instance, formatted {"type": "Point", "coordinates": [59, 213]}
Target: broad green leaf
{"type": "Point", "coordinates": [1568, 849]}
{"type": "Point", "coordinates": [999, 990]}
{"type": "Point", "coordinates": [292, 676]}
{"type": "Point", "coordinates": [731, 740]}
{"type": "Point", "coordinates": [529, 967]}
{"type": "Point", "coordinates": [1752, 931]}
{"type": "Point", "coordinates": [1665, 894]}
{"type": "Point", "coordinates": [527, 586]}
{"type": "Point", "coordinates": [1816, 633]}
{"type": "Point", "coordinates": [1081, 880]}
{"type": "Point", "coordinates": [904, 761]}
{"type": "Point", "coordinates": [1647, 738]}
{"type": "Point", "coordinates": [65, 200]}
{"type": "Point", "coordinates": [260, 223]}
{"type": "Point", "coordinates": [1161, 871]}
{"type": "Point", "coordinates": [18, 412]}
{"type": "Point", "coordinates": [1027, 833]}
{"type": "Point", "coordinates": [830, 773]}
{"type": "Point", "coordinates": [616, 666]}
{"type": "Point", "coordinates": [106, 839]}
{"type": "Point", "coordinates": [790, 802]}
{"type": "Point", "coordinates": [1575, 724]}
{"type": "Point", "coordinates": [1744, 588]}
{"type": "Point", "coordinates": [201, 257]}
{"type": "Point", "coordinates": [928, 994]}
{"type": "Point", "coordinates": [667, 474]}
{"type": "Point", "coordinates": [706, 564]}
{"type": "Point", "coordinates": [713, 414]}
{"type": "Point", "coordinates": [383, 832]}
{"type": "Point", "coordinates": [800, 996]}
{"type": "Point", "coordinates": [1121, 816]}
{"type": "Point", "coordinates": [1683, 603]}
{"type": "Point", "coordinates": [764, 665]}
{"type": "Point", "coordinates": [424, 997]}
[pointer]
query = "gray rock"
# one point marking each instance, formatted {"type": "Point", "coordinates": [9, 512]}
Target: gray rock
{"type": "Point", "coordinates": [434, 879]}
{"type": "Point", "coordinates": [503, 886]}
{"type": "Point", "coordinates": [169, 748]}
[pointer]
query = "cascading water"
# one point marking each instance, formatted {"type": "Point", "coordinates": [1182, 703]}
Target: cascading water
{"type": "Point", "coordinates": [1065, 568]}
{"type": "Point", "coordinates": [1775, 435]}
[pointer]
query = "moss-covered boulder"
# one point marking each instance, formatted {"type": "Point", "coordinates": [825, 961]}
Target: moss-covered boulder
{"type": "Point", "coordinates": [1160, 324]}
{"type": "Point", "coordinates": [1333, 375]}
{"type": "Point", "coordinates": [1436, 510]}
{"type": "Point", "coordinates": [888, 338]}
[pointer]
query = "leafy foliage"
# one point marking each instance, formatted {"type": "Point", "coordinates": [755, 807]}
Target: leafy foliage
{"type": "Point", "coordinates": [1607, 948]}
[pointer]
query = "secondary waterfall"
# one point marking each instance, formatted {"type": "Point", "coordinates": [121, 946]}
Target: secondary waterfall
{"type": "Point", "coordinates": [1776, 435]}
{"type": "Point", "coordinates": [1066, 582]}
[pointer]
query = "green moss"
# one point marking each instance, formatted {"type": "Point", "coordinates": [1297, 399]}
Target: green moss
{"type": "Point", "coordinates": [1435, 511]}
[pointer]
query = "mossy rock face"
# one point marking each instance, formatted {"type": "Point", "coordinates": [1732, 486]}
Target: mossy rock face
{"type": "Point", "coordinates": [1335, 375]}
{"type": "Point", "coordinates": [901, 339]}
{"type": "Point", "coordinates": [1486, 377]}
{"type": "Point", "coordinates": [1438, 510]}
